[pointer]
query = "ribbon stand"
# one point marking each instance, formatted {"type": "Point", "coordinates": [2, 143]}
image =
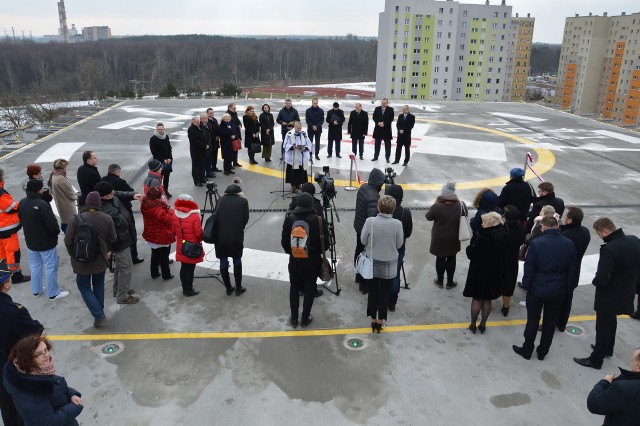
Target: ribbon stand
{"type": "Point", "coordinates": [352, 157]}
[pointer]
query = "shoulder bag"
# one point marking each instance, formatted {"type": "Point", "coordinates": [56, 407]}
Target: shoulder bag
{"type": "Point", "coordinates": [464, 230]}
{"type": "Point", "coordinates": [325, 271]}
{"type": "Point", "coordinates": [189, 249]}
{"type": "Point", "coordinates": [364, 263]}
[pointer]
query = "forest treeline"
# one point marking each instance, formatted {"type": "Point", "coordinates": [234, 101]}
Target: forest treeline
{"type": "Point", "coordinates": [93, 70]}
{"type": "Point", "coordinates": [545, 58]}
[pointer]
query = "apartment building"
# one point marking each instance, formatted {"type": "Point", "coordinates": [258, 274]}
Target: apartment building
{"type": "Point", "coordinates": [446, 50]}
{"type": "Point", "coordinates": [599, 71]}
{"type": "Point", "coordinates": [518, 58]}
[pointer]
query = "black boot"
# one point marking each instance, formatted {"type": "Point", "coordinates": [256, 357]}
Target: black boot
{"type": "Point", "coordinates": [227, 281]}
{"type": "Point", "coordinates": [237, 274]}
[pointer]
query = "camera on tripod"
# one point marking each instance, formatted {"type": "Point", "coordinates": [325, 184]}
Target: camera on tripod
{"type": "Point", "coordinates": [326, 183]}
{"type": "Point", "coordinates": [212, 188]}
{"type": "Point", "coordinates": [390, 175]}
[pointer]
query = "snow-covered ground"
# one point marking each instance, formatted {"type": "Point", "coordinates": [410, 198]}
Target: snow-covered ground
{"type": "Point", "coordinates": [368, 86]}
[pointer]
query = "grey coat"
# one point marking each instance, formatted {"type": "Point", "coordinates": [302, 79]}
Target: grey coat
{"type": "Point", "coordinates": [382, 236]}
{"type": "Point", "coordinates": [65, 197]}
{"type": "Point", "coordinates": [106, 234]}
{"type": "Point", "coordinates": [446, 223]}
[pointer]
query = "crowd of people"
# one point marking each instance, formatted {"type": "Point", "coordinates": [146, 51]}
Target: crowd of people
{"type": "Point", "coordinates": [100, 234]}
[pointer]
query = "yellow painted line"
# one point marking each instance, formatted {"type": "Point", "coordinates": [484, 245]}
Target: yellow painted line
{"type": "Point", "coordinates": [291, 333]}
{"type": "Point", "coordinates": [545, 162]}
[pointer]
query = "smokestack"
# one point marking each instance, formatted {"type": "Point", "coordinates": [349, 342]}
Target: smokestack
{"type": "Point", "coordinates": [62, 15]}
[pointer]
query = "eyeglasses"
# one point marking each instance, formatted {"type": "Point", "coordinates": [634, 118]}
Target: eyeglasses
{"type": "Point", "coordinates": [39, 354]}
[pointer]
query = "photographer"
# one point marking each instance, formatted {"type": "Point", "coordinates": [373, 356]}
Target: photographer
{"type": "Point", "coordinates": [366, 207]}
{"type": "Point", "coordinates": [404, 216]}
{"type": "Point", "coordinates": [303, 271]}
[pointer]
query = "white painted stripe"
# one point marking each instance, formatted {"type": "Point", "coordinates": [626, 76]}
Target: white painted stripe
{"type": "Point", "coordinates": [126, 123]}
{"type": "Point", "coordinates": [618, 136]}
{"type": "Point", "coordinates": [587, 269]}
{"type": "Point", "coordinates": [60, 150]}
{"type": "Point", "coordinates": [517, 117]}
{"type": "Point", "coordinates": [465, 148]}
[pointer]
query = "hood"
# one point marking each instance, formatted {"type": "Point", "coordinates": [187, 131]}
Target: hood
{"type": "Point", "coordinates": [26, 382]}
{"type": "Point", "coordinates": [184, 208]}
{"type": "Point", "coordinates": [396, 192]}
{"type": "Point", "coordinates": [303, 211]}
{"type": "Point", "coordinates": [376, 177]}
{"type": "Point", "coordinates": [233, 189]}
{"type": "Point", "coordinates": [497, 232]}
{"type": "Point", "coordinates": [488, 200]}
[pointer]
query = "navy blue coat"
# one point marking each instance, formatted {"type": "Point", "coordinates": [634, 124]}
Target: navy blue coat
{"type": "Point", "coordinates": [41, 400]}
{"type": "Point", "coordinates": [550, 267]}
{"type": "Point", "coordinates": [16, 323]}
{"type": "Point", "coordinates": [287, 116]}
{"type": "Point", "coordinates": [314, 117]}
{"type": "Point", "coordinates": [618, 401]}
{"type": "Point", "coordinates": [488, 203]}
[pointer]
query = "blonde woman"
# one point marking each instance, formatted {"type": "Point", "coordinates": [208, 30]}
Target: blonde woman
{"type": "Point", "coordinates": [64, 195]}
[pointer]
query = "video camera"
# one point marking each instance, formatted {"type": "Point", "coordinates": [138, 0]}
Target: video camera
{"type": "Point", "coordinates": [390, 175]}
{"type": "Point", "coordinates": [326, 183]}
{"type": "Point", "coordinates": [212, 187]}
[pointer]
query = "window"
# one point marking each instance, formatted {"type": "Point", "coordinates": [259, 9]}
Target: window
{"type": "Point", "coordinates": [403, 80]}
{"type": "Point", "coordinates": [464, 12]}
{"type": "Point", "coordinates": [435, 92]}
{"type": "Point", "coordinates": [438, 45]}
{"type": "Point", "coordinates": [435, 81]}
{"type": "Point", "coordinates": [441, 10]}
{"type": "Point", "coordinates": [459, 80]}
{"type": "Point", "coordinates": [436, 69]}
{"type": "Point", "coordinates": [439, 22]}
{"type": "Point", "coordinates": [407, 9]}
{"type": "Point", "coordinates": [439, 35]}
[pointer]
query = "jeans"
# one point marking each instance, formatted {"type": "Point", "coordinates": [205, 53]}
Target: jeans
{"type": "Point", "coordinates": [395, 282]}
{"type": "Point", "coordinates": [91, 289]}
{"type": "Point", "coordinates": [357, 143]}
{"type": "Point", "coordinates": [50, 260]}
{"type": "Point", "coordinates": [224, 262]}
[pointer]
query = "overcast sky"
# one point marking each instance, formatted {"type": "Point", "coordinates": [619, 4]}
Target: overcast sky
{"type": "Point", "coordinates": [264, 17]}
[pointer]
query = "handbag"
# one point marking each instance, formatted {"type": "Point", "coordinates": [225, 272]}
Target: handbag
{"type": "Point", "coordinates": [189, 249]}
{"type": "Point", "coordinates": [522, 251]}
{"type": "Point", "coordinates": [256, 147]}
{"type": "Point", "coordinates": [325, 271]}
{"type": "Point", "coordinates": [167, 167]}
{"type": "Point", "coordinates": [236, 144]}
{"type": "Point", "coordinates": [364, 263]}
{"type": "Point", "coordinates": [464, 230]}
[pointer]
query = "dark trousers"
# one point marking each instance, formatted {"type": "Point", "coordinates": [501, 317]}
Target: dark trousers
{"type": "Point", "coordinates": [214, 156]}
{"type": "Point", "coordinates": [227, 163]}
{"type": "Point", "coordinates": [165, 180]}
{"type": "Point", "coordinates": [208, 169]}
{"type": "Point", "coordinates": [10, 415]}
{"type": "Point", "coordinates": [284, 135]}
{"type": "Point", "coordinates": [395, 283]}
{"type": "Point", "coordinates": [303, 275]}
{"type": "Point", "coordinates": [565, 310]}
{"type": "Point", "coordinates": [235, 158]}
{"type": "Point", "coordinates": [160, 261]}
{"type": "Point", "coordinates": [535, 305]}
{"type": "Point", "coordinates": [407, 154]}
{"type": "Point", "coordinates": [186, 276]}
{"type": "Point", "coordinates": [378, 301]}
{"type": "Point", "coordinates": [359, 249]}
{"type": "Point", "coordinates": [314, 137]}
{"type": "Point", "coordinates": [387, 148]}
{"type": "Point", "coordinates": [337, 140]}
{"type": "Point", "coordinates": [357, 143]}
{"type": "Point", "coordinates": [606, 326]}
{"type": "Point", "coordinates": [197, 169]}
{"type": "Point", "coordinates": [446, 264]}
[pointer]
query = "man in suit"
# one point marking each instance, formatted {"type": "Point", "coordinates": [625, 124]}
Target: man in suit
{"type": "Point", "coordinates": [382, 117]}
{"type": "Point", "coordinates": [405, 123]}
{"type": "Point", "coordinates": [358, 127]}
{"type": "Point", "coordinates": [198, 149]}
{"type": "Point", "coordinates": [314, 117]}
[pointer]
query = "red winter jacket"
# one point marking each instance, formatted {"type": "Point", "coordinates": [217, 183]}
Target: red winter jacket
{"type": "Point", "coordinates": [188, 213]}
{"type": "Point", "coordinates": [158, 222]}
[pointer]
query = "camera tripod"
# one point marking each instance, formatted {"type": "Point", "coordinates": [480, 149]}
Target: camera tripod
{"type": "Point", "coordinates": [328, 209]}
{"type": "Point", "coordinates": [211, 198]}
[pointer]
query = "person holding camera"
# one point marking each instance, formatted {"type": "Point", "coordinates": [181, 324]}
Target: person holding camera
{"type": "Point", "coordinates": [232, 216]}
{"type": "Point", "coordinates": [297, 152]}
{"type": "Point", "coordinates": [301, 241]}
{"type": "Point", "coordinates": [187, 227]}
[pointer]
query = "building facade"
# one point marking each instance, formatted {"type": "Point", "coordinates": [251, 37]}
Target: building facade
{"type": "Point", "coordinates": [96, 33]}
{"type": "Point", "coordinates": [518, 58]}
{"type": "Point", "coordinates": [446, 50]}
{"type": "Point", "coordinates": [599, 71]}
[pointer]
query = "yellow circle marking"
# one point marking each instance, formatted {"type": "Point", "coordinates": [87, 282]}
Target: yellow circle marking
{"type": "Point", "coordinates": [545, 162]}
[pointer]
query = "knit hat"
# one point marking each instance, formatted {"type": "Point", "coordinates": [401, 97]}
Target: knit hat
{"type": "Point", "coordinates": [305, 200]}
{"type": "Point", "coordinates": [154, 193]}
{"type": "Point", "coordinates": [5, 272]}
{"type": "Point", "coordinates": [185, 197]}
{"type": "Point", "coordinates": [237, 181]}
{"type": "Point", "coordinates": [33, 169]}
{"type": "Point", "coordinates": [449, 191]}
{"type": "Point", "coordinates": [93, 200]}
{"type": "Point", "coordinates": [34, 185]}
{"type": "Point", "coordinates": [103, 188]}
{"type": "Point", "coordinates": [516, 172]}
{"type": "Point", "coordinates": [309, 188]}
{"type": "Point", "coordinates": [154, 165]}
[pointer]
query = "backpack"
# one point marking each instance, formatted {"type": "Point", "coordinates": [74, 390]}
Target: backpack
{"type": "Point", "coordinates": [300, 239]}
{"type": "Point", "coordinates": [210, 231]}
{"type": "Point", "coordinates": [86, 244]}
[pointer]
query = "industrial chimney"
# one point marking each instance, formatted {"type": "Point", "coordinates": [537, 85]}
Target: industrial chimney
{"type": "Point", "coordinates": [62, 14]}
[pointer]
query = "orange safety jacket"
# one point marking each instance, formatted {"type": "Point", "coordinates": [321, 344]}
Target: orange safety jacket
{"type": "Point", "coordinates": [9, 220]}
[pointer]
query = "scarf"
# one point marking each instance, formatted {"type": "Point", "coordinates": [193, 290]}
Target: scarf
{"type": "Point", "coordinates": [297, 137]}
{"type": "Point", "coordinates": [49, 370]}
{"type": "Point", "coordinates": [252, 115]}
{"type": "Point", "coordinates": [161, 137]}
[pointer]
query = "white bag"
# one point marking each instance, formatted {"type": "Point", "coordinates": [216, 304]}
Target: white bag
{"type": "Point", "coordinates": [464, 230]}
{"type": "Point", "coordinates": [364, 263]}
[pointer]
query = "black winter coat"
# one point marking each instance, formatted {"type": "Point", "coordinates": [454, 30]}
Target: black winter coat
{"type": "Point", "coordinates": [515, 238]}
{"type": "Point", "coordinates": [250, 127]}
{"type": "Point", "coordinates": [358, 125]}
{"type": "Point", "coordinates": [214, 127]}
{"type": "Point", "coordinates": [266, 122]}
{"type": "Point", "coordinates": [486, 264]}
{"type": "Point", "coordinates": [367, 199]}
{"type": "Point", "coordinates": [546, 200]}
{"type": "Point", "coordinates": [315, 248]}
{"type": "Point", "coordinates": [618, 401]}
{"type": "Point", "coordinates": [121, 185]}
{"type": "Point", "coordinates": [233, 216]}
{"type": "Point", "coordinates": [387, 119]}
{"type": "Point", "coordinates": [618, 274]}
{"type": "Point", "coordinates": [236, 120]}
{"type": "Point", "coordinates": [208, 137]}
{"type": "Point", "coordinates": [16, 324]}
{"type": "Point", "coordinates": [87, 177]}
{"type": "Point", "coordinates": [41, 400]}
{"type": "Point", "coordinates": [580, 237]}
{"type": "Point", "coordinates": [401, 213]}
{"type": "Point", "coordinates": [160, 148]}
{"type": "Point", "coordinates": [197, 142]}
{"type": "Point", "coordinates": [39, 224]}
{"type": "Point", "coordinates": [122, 220]}
{"type": "Point", "coordinates": [335, 130]}
{"type": "Point", "coordinates": [405, 125]}
{"type": "Point", "coordinates": [517, 193]}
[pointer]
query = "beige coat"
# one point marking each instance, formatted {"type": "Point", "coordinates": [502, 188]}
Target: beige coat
{"type": "Point", "coordinates": [65, 197]}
